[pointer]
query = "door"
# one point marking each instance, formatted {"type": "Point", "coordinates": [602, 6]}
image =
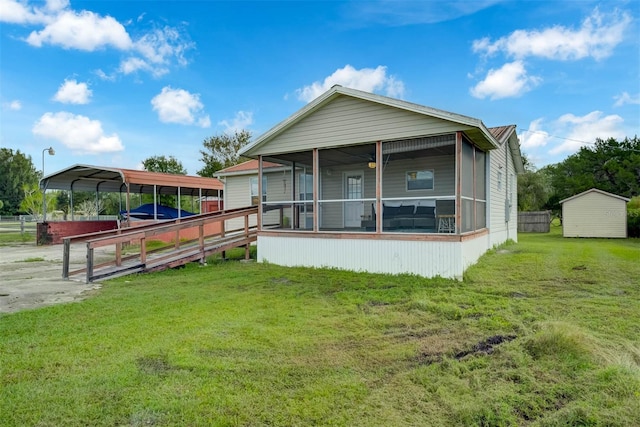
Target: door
{"type": "Point", "coordinates": [353, 210]}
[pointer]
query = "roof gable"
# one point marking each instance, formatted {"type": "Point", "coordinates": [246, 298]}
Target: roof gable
{"type": "Point", "coordinates": [248, 167]}
{"type": "Point", "coordinates": [594, 190]}
{"type": "Point", "coordinates": [475, 128]}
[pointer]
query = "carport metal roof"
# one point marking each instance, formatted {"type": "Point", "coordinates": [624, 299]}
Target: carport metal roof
{"type": "Point", "coordinates": [115, 180]}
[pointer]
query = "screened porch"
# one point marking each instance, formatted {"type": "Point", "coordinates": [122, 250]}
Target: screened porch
{"type": "Point", "coordinates": [429, 185]}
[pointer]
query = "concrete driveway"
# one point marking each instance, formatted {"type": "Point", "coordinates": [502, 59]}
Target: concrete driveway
{"type": "Point", "coordinates": [31, 276]}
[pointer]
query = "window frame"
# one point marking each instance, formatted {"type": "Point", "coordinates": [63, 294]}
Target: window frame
{"type": "Point", "coordinates": [416, 172]}
{"type": "Point", "coordinates": [251, 193]}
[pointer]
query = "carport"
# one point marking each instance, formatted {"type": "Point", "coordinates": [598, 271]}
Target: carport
{"type": "Point", "coordinates": [125, 182]}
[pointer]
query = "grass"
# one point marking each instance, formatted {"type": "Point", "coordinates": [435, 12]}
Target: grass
{"type": "Point", "coordinates": [540, 333]}
{"type": "Point", "coordinates": [32, 259]}
{"type": "Point", "coordinates": [11, 232]}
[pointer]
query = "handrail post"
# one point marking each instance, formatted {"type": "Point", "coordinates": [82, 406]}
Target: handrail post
{"type": "Point", "coordinates": [119, 250]}
{"type": "Point", "coordinates": [201, 242]}
{"type": "Point", "coordinates": [143, 250]}
{"type": "Point", "coordinates": [66, 253]}
{"type": "Point", "coordinates": [89, 263]}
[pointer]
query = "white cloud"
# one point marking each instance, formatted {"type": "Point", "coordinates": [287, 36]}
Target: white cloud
{"type": "Point", "coordinates": [365, 79]}
{"type": "Point", "coordinates": [153, 51]}
{"type": "Point", "coordinates": [598, 35]}
{"type": "Point", "coordinates": [509, 81]}
{"type": "Point", "coordinates": [241, 121]}
{"type": "Point", "coordinates": [104, 76]}
{"type": "Point", "coordinates": [79, 133]}
{"type": "Point", "coordinates": [583, 130]}
{"type": "Point", "coordinates": [19, 12]}
{"type": "Point", "coordinates": [180, 106]}
{"type": "Point", "coordinates": [625, 98]}
{"type": "Point", "coordinates": [396, 13]}
{"type": "Point", "coordinates": [534, 137]}
{"type": "Point", "coordinates": [14, 105]}
{"type": "Point", "coordinates": [72, 92]}
{"type": "Point", "coordinates": [83, 30]}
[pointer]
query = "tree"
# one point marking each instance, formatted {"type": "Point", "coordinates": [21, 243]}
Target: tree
{"type": "Point", "coordinates": [164, 164]}
{"type": "Point", "coordinates": [221, 151]}
{"type": "Point", "coordinates": [533, 190]}
{"type": "Point", "coordinates": [16, 170]}
{"type": "Point", "coordinates": [32, 200]}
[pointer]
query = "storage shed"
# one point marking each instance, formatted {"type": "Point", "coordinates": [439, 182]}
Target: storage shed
{"type": "Point", "coordinates": [594, 213]}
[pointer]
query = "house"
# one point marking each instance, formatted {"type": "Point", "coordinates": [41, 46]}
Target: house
{"type": "Point", "coordinates": [365, 182]}
{"type": "Point", "coordinates": [241, 181]}
{"type": "Point", "coordinates": [594, 213]}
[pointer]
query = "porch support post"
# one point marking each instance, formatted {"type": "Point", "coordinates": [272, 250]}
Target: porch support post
{"type": "Point", "coordinates": [458, 217]}
{"type": "Point", "coordinates": [316, 189]}
{"type": "Point", "coordinates": [259, 220]}
{"type": "Point", "coordinates": [475, 225]}
{"type": "Point", "coordinates": [294, 208]}
{"type": "Point", "coordinates": [379, 163]}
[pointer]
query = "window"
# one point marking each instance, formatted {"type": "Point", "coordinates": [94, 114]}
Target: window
{"type": "Point", "coordinates": [254, 190]}
{"type": "Point", "coordinates": [420, 180]}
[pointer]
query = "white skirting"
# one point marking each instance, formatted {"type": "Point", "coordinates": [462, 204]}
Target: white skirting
{"type": "Point", "coordinates": [423, 258]}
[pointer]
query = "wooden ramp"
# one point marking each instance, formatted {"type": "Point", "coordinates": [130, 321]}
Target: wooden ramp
{"type": "Point", "coordinates": [130, 254]}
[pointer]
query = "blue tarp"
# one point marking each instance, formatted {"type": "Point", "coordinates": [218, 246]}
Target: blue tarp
{"type": "Point", "coordinates": [163, 212]}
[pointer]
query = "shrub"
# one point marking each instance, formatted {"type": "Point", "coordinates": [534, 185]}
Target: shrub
{"type": "Point", "coordinates": [633, 217]}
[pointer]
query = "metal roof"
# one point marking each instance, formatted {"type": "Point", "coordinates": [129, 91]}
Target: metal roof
{"type": "Point", "coordinates": [114, 180]}
{"type": "Point", "coordinates": [248, 167]}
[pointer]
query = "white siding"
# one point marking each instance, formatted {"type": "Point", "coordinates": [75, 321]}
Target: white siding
{"type": "Point", "coordinates": [501, 162]}
{"type": "Point", "coordinates": [237, 194]}
{"type": "Point", "coordinates": [349, 121]}
{"type": "Point", "coordinates": [594, 215]}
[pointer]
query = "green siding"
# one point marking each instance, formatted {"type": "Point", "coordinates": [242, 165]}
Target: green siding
{"type": "Point", "coordinates": [349, 121]}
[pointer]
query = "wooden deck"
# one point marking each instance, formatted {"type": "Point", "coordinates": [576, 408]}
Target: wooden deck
{"type": "Point", "coordinates": [130, 245]}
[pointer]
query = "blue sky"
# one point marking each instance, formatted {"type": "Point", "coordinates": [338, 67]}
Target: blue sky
{"type": "Point", "coordinates": [111, 83]}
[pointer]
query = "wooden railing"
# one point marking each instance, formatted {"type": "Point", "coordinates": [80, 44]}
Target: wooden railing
{"type": "Point", "coordinates": [183, 251]}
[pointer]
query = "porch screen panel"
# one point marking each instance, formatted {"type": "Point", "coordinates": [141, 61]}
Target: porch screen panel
{"type": "Point", "coordinates": [481, 189]}
{"type": "Point", "coordinates": [419, 185]}
{"type": "Point", "coordinates": [347, 188]}
{"type": "Point", "coordinates": [467, 215]}
{"type": "Point", "coordinates": [467, 169]}
{"type": "Point", "coordinates": [467, 208]}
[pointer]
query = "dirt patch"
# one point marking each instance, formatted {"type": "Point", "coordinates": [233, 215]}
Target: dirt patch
{"type": "Point", "coordinates": [486, 346]}
{"type": "Point", "coordinates": [31, 276]}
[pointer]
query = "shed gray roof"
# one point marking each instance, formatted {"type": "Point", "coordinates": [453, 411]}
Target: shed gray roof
{"type": "Point", "coordinates": [594, 190]}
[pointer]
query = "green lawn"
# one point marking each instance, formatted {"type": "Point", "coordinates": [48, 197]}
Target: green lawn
{"type": "Point", "coordinates": [540, 333]}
